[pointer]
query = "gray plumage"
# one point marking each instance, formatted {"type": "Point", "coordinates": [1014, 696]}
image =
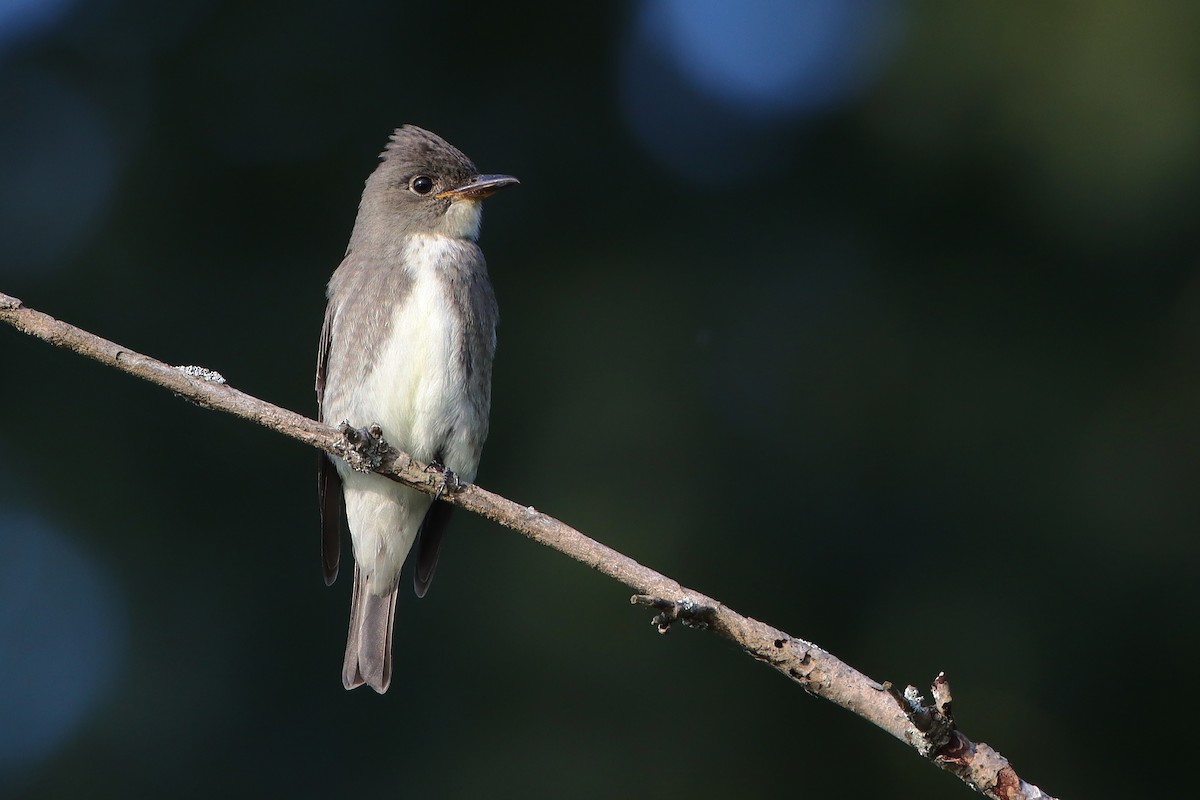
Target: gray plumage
{"type": "Point", "coordinates": [408, 343]}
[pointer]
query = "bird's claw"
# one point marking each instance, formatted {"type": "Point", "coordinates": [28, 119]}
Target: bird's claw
{"type": "Point", "coordinates": [449, 483]}
{"type": "Point", "coordinates": [365, 447]}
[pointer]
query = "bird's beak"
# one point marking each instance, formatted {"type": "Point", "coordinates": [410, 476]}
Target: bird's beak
{"type": "Point", "coordinates": [479, 187]}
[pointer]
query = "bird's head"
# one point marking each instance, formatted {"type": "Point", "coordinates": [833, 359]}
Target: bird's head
{"type": "Point", "coordinates": [426, 185]}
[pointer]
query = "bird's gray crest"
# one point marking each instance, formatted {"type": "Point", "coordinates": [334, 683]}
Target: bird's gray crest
{"type": "Point", "coordinates": [410, 146]}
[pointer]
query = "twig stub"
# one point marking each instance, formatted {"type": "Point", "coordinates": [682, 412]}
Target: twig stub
{"type": "Point", "coordinates": [691, 614]}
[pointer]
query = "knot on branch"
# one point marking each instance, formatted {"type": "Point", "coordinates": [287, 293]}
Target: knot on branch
{"type": "Point", "coordinates": [691, 614]}
{"type": "Point", "coordinates": [933, 720]}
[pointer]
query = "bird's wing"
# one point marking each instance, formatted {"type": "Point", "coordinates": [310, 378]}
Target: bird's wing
{"type": "Point", "coordinates": [429, 543]}
{"type": "Point", "coordinates": [329, 483]}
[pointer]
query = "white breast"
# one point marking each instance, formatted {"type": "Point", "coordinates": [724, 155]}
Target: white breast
{"type": "Point", "coordinates": [416, 389]}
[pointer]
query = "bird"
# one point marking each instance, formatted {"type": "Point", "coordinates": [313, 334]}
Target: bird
{"type": "Point", "coordinates": [407, 345]}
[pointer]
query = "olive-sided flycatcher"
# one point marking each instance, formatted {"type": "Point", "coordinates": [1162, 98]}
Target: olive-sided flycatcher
{"type": "Point", "coordinates": [408, 341]}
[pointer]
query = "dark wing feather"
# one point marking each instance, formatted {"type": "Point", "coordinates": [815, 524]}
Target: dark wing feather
{"type": "Point", "coordinates": [329, 483]}
{"type": "Point", "coordinates": [429, 543]}
{"type": "Point", "coordinates": [329, 495]}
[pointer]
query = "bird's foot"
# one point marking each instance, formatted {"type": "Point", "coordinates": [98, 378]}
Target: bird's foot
{"type": "Point", "coordinates": [365, 447]}
{"type": "Point", "coordinates": [448, 483]}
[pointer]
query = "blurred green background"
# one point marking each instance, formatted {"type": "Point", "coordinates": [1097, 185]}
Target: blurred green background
{"type": "Point", "coordinates": [876, 320]}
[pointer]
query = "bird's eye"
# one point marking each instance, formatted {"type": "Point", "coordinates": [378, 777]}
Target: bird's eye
{"type": "Point", "coordinates": [422, 184]}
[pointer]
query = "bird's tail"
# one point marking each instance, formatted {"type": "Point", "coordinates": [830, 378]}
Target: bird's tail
{"type": "Point", "coordinates": [369, 644]}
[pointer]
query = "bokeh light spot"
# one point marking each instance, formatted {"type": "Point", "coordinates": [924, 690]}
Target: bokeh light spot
{"type": "Point", "coordinates": [64, 631]}
{"type": "Point", "coordinates": [714, 89]}
{"type": "Point", "coordinates": [774, 56]}
{"type": "Point", "coordinates": [23, 19]}
{"type": "Point", "coordinates": [59, 163]}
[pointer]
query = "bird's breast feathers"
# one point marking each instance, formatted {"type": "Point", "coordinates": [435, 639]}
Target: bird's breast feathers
{"type": "Point", "coordinates": [418, 389]}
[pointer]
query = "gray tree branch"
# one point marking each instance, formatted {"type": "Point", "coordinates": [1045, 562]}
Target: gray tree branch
{"type": "Point", "coordinates": [925, 725]}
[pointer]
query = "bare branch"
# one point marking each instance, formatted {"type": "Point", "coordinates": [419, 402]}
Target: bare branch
{"type": "Point", "coordinates": [929, 728]}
